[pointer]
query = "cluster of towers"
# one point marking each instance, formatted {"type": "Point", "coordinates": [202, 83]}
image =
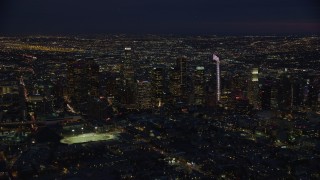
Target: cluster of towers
{"type": "Point", "coordinates": [281, 91]}
{"type": "Point", "coordinates": [163, 85]}
{"type": "Point", "coordinates": [182, 84]}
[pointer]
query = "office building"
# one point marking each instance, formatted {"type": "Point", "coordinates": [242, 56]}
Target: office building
{"type": "Point", "coordinates": [253, 89]}
{"type": "Point", "coordinates": [82, 80]}
{"type": "Point", "coordinates": [158, 86]}
{"type": "Point", "coordinates": [144, 95]}
{"type": "Point", "coordinates": [127, 88]}
{"type": "Point", "coordinates": [199, 91]}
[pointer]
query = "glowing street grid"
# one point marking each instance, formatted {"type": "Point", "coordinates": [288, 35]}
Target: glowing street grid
{"type": "Point", "coordinates": [89, 137]}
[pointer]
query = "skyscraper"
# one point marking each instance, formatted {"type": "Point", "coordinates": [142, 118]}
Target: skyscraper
{"type": "Point", "coordinates": [144, 97]}
{"type": "Point", "coordinates": [128, 89]}
{"type": "Point", "coordinates": [158, 86]}
{"type": "Point", "coordinates": [265, 93]}
{"type": "Point", "coordinates": [174, 85]}
{"type": "Point", "coordinates": [284, 92]}
{"type": "Point", "coordinates": [199, 92]}
{"type": "Point", "coordinates": [181, 66]}
{"type": "Point", "coordinates": [128, 69]}
{"type": "Point", "coordinates": [253, 89]}
{"type": "Point", "coordinates": [82, 80]}
{"type": "Point", "coordinates": [113, 85]}
{"type": "Point", "coordinates": [273, 97]}
{"type": "Point", "coordinates": [179, 88]}
{"type": "Point", "coordinates": [296, 92]}
{"type": "Point", "coordinates": [93, 77]}
{"type": "Point", "coordinates": [217, 60]}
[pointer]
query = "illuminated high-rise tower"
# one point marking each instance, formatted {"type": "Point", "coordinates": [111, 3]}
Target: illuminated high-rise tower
{"type": "Point", "coordinates": [82, 80]}
{"type": "Point", "coordinates": [253, 89]}
{"type": "Point", "coordinates": [274, 95]}
{"type": "Point", "coordinates": [144, 96]}
{"type": "Point", "coordinates": [174, 85]}
{"type": "Point", "coordinates": [93, 78]}
{"type": "Point", "coordinates": [217, 60]}
{"type": "Point", "coordinates": [181, 67]}
{"type": "Point", "coordinates": [128, 90]}
{"type": "Point", "coordinates": [178, 86]}
{"type": "Point", "coordinates": [128, 70]}
{"type": "Point", "coordinates": [128, 56]}
{"type": "Point", "coordinates": [158, 88]}
{"type": "Point", "coordinates": [199, 86]}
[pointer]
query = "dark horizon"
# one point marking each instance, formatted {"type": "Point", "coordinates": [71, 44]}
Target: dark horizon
{"type": "Point", "coordinates": [9, 35]}
{"type": "Point", "coordinates": [159, 17]}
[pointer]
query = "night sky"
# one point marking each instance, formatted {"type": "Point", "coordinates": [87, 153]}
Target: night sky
{"type": "Point", "coordinates": [159, 16]}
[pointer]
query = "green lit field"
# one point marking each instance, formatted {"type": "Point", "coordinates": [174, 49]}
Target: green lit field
{"type": "Point", "coordinates": [89, 137]}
